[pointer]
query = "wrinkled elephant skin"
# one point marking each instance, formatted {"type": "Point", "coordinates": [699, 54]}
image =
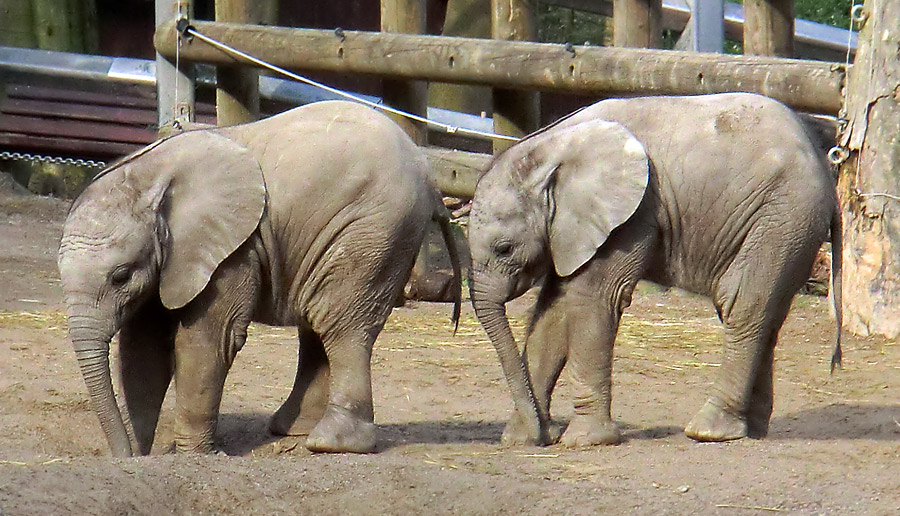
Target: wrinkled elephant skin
{"type": "Point", "coordinates": [311, 218]}
{"type": "Point", "coordinates": [722, 195]}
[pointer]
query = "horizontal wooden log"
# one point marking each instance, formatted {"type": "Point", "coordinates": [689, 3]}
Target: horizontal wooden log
{"type": "Point", "coordinates": [805, 85]}
{"type": "Point", "coordinates": [456, 172]}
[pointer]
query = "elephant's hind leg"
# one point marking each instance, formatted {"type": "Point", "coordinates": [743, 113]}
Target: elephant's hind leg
{"type": "Point", "coordinates": [348, 421]}
{"type": "Point", "coordinates": [304, 407]}
{"type": "Point", "coordinates": [754, 300]}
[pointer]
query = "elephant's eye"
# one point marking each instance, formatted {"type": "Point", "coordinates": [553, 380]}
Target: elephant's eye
{"type": "Point", "coordinates": [121, 275]}
{"type": "Point", "coordinates": [503, 248]}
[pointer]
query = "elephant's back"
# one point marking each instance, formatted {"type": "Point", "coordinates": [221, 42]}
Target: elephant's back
{"type": "Point", "coordinates": [336, 152]}
{"type": "Point", "coordinates": [347, 189]}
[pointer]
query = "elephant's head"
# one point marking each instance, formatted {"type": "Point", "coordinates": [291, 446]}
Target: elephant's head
{"type": "Point", "coordinates": [544, 207]}
{"type": "Point", "coordinates": [156, 224]}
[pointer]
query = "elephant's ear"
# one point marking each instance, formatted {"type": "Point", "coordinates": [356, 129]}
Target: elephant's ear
{"type": "Point", "coordinates": [601, 175]}
{"type": "Point", "coordinates": [211, 194]}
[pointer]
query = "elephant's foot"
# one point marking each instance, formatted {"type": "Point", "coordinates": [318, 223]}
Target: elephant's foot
{"type": "Point", "coordinates": [714, 424]}
{"type": "Point", "coordinates": [758, 421]}
{"type": "Point", "coordinates": [590, 430]}
{"type": "Point", "coordinates": [516, 433]}
{"type": "Point", "coordinates": [342, 431]}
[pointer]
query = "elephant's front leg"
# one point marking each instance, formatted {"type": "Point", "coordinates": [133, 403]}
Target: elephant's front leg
{"type": "Point", "coordinates": [145, 356]}
{"type": "Point", "coordinates": [546, 351]}
{"type": "Point", "coordinates": [591, 335]}
{"type": "Point", "coordinates": [200, 370]}
{"type": "Point", "coordinates": [305, 406]}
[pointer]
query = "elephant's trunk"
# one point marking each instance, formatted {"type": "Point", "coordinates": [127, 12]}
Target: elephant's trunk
{"type": "Point", "coordinates": [91, 343]}
{"type": "Point", "coordinates": [491, 314]}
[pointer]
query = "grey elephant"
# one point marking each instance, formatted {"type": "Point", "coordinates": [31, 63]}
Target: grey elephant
{"type": "Point", "coordinates": [310, 218]}
{"type": "Point", "coordinates": [722, 195]}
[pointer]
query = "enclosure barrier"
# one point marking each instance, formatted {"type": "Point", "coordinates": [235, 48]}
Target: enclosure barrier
{"type": "Point", "coordinates": [811, 86]}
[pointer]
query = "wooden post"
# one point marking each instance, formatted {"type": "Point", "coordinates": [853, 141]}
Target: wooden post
{"type": "Point", "coordinates": [769, 28]}
{"type": "Point", "coordinates": [174, 86]}
{"type": "Point", "coordinates": [637, 23]}
{"type": "Point", "coordinates": [406, 16]}
{"type": "Point", "coordinates": [869, 184]}
{"type": "Point", "coordinates": [468, 19]}
{"type": "Point", "coordinates": [237, 88]}
{"type": "Point", "coordinates": [516, 112]}
{"type": "Point", "coordinates": [17, 24]}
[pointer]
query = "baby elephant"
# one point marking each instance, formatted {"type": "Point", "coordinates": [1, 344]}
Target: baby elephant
{"type": "Point", "coordinates": [722, 195]}
{"type": "Point", "coordinates": [311, 218]}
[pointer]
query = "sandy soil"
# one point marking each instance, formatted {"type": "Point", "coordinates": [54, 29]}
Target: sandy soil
{"type": "Point", "coordinates": [440, 402]}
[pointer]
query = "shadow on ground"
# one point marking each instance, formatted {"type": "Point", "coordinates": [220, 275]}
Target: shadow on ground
{"type": "Point", "coordinates": [840, 421]}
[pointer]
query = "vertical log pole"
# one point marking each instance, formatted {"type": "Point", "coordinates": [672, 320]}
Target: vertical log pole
{"type": "Point", "coordinates": [237, 88]}
{"type": "Point", "coordinates": [769, 28]}
{"type": "Point", "coordinates": [406, 16]}
{"type": "Point", "coordinates": [637, 23]}
{"type": "Point", "coordinates": [869, 185]}
{"type": "Point", "coordinates": [516, 113]}
{"type": "Point", "coordinates": [174, 86]}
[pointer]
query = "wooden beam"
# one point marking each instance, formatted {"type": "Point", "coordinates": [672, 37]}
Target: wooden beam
{"type": "Point", "coordinates": [769, 28]}
{"type": "Point", "coordinates": [406, 16]}
{"type": "Point", "coordinates": [237, 88]}
{"type": "Point", "coordinates": [805, 85]}
{"type": "Point", "coordinates": [637, 23]}
{"type": "Point", "coordinates": [516, 112]}
{"type": "Point", "coordinates": [456, 172]}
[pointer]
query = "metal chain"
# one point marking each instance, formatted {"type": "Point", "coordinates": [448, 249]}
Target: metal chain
{"type": "Point", "coordinates": [23, 156]}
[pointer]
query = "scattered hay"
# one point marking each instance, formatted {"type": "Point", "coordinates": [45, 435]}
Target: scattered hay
{"type": "Point", "coordinates": [53, 321]}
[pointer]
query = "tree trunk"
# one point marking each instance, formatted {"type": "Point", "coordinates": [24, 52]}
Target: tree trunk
{"type": "Point", "coordinates": [869, 185]}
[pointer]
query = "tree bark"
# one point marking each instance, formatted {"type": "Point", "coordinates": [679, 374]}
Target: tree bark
{"type": "Point", "coordinates": [869, 184]}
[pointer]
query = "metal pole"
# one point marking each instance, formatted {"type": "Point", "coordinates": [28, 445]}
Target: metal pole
{"type": "Point", "coordinates": [174, 86]}
{"type": "Point", "coordinates": [708, 25]}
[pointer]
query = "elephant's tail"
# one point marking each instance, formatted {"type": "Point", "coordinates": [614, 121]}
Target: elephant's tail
{"type": "Point", "coordinates": [443, 219]}
{"type": "Point", "coordinates": [836, 267]}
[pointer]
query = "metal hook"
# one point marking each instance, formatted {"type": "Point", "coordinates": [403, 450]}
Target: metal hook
{"type": "Point", "coordinates": [837, 155]}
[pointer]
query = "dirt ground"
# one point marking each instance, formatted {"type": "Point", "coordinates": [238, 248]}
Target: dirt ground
{"type": "Point", "coordinates": [440, 403]}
